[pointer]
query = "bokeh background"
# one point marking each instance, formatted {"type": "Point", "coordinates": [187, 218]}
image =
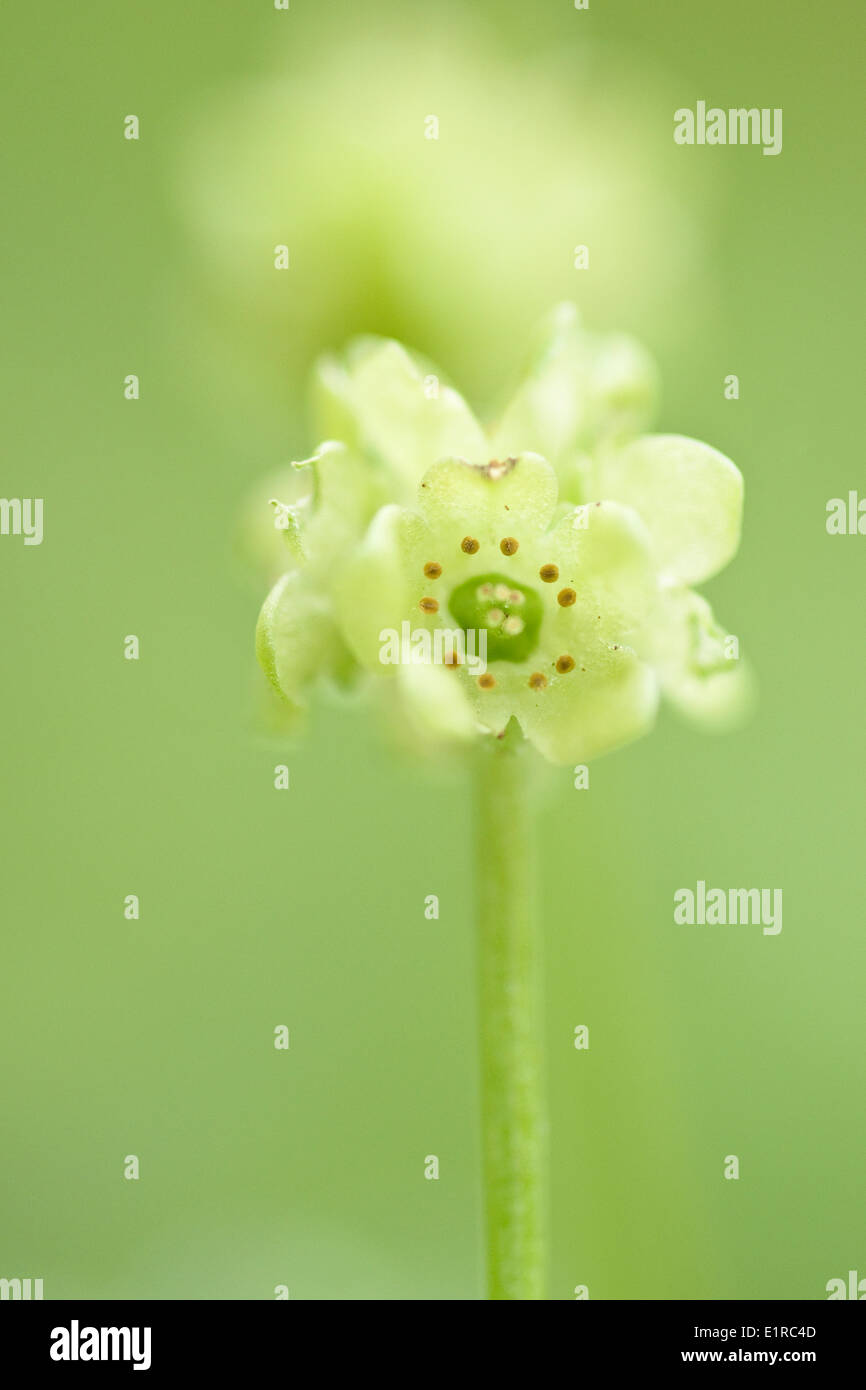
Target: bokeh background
{"type": "Point", "coordinates": [258, 908]}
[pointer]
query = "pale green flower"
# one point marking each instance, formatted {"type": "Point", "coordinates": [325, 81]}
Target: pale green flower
{"type": "Point", "coordinates": [555, 601]}
{"type": "Point", "coordinates": [575, 565]}
{"type": "Point", "coordinates": [457, 242]}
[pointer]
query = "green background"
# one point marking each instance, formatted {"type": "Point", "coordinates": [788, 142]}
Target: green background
{"type": "Point", "coordinates": [305, 907]}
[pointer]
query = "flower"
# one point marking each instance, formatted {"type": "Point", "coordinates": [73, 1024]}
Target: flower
{"type": "Point", "coordinates": [305, 151]}
{"type": "Point", "coordinates": [554, 604]}
{"type": "Point", "coordinates": [540, 572]}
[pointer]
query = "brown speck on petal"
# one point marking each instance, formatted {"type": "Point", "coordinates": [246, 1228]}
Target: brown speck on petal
{"type": "Point", "coordinates": [432, 569]}
{"type": "Point", "coordinates": [497, 468]}
{"type": "Point", "coordinates": [564, 664]}
{"type": "Point", "coordinates": [508, 545]}
{"type": "Point", "coordinates": [429, 605]}
{"type": "Point", "coordinates": [486, 681]}
{"type": "Point", "coordinates": [566, 597]}
{"type": "Point", "coordinates": [549, 573]}
{"type": "Point", "coordinates": [537, 681]}
{"type": "Point", "coordinates": [469, 545]}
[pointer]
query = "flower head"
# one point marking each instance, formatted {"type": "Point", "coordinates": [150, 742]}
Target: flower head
{"type": "Point", "coordinates": [546, 582]}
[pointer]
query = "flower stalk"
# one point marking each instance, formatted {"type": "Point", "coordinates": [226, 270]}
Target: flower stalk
{"type": "Point", "coordinates": [513, 1119]}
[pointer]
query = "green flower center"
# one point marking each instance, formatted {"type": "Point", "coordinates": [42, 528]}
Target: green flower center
{"type": "Point", "coordinates": [509, 613]}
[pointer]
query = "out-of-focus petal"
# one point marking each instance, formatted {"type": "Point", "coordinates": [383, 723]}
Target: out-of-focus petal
{"type": "Point", "coordinates": [690, 497]}
{"type": "Point", "coordinates": [698, 662]}
{"type": "Point", "coordinates": [296, 637]}
{"type": "Point", "coordinates": [578, 389]}
{"type": "Point", "coordinates": [381, 399]}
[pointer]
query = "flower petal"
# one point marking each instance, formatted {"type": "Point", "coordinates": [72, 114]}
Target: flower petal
{"type": "Point", "coordinates": [296, 637]}
{"type": "Point", "coordinates": [374, 593]}
{"type": "Point", "coordinates": [578, 389]}
{"type": "Point", "coordinates": [383, 400]}
{"type": "Point", "coordinates": [434, 706]}
{"type": "Point", "coordinates": [592, 711]}
{"type": "Point", "coordinates": [698, 662]}
{"type": "Point", "coordinates": [604, 553]}
{"type": "Point", "coordinates": [489, 501]}
{"type": "Point", "coordinates": [689, 495]}
{"type": "Point", "coordinates": [346, 493]}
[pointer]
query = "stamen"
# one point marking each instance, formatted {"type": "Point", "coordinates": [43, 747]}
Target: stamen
{"type": "Point", "coordinates": [564, 664]}
{"type": "Point", "coordinates": [508, 545]}
{"type": "Point", "coordinates": [432, 569]}
{"type": "Point", "coordinates": [494, 617]}
{"type": "Point", "coordinates": [485, 591]}
{"type": "Point", "coordinates": [516, 597]}
{"type": "Point", "coordinates": [566, 597]}
{"type": "Point", "coordinates": [549, 573]}
{"type": "Point", "coordinates": [429, 605]}
{"type": "Point", "coordinates": [537, 681]}
{"type": "Point", "coordinates": [469, 545]}
{"type": "Point", "coordinates": [501, 592]}
{"type": "Point", "coordinates": [513, 625]}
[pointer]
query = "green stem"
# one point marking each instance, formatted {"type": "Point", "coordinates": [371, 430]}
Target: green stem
{"type": "Point", "coordinates": [512, 1106]}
